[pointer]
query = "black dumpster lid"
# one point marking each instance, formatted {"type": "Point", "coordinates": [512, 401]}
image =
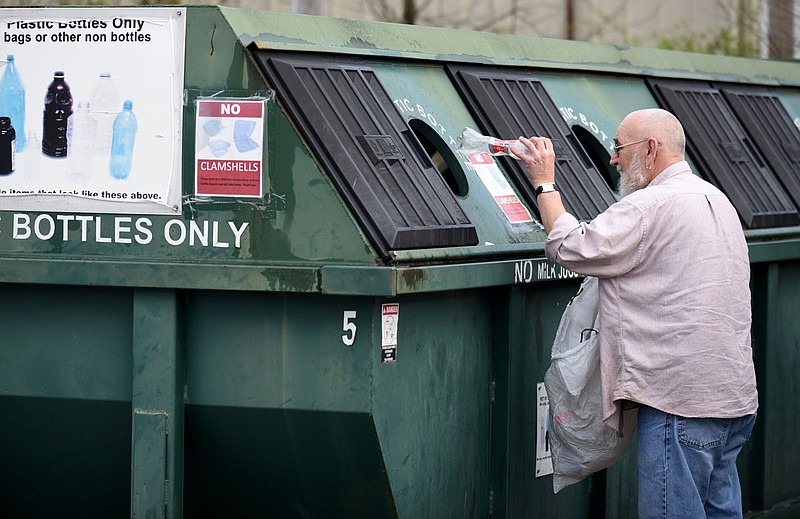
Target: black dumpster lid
{"type": "Point", "coordinates": [768, 124]}
{"type": "Point", "coordinates": [371, 154]}
{"type": "Point", "coordinates": [509, 103]}
{"type": "Point", "coordinates": [722, 150]}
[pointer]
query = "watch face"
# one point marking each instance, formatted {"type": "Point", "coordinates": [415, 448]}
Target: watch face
{"type": "Point", "coordinates": [547, 187]}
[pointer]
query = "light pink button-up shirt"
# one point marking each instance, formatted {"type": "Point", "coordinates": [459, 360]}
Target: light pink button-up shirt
{"type": "Point", "coordinates": [674, 288]}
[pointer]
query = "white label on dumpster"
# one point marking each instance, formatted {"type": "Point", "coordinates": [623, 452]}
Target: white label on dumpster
{"type": "Point", "coordinates": [500, 189]}
{"type": "Point", "coordinates": [572, 116]}
{"type": "Point", "coordinates": [125, 229]}
{"type": "Point", "coordinates": [103, 58]}
{"type": "Point", "coordinates": [390, 312]}
{"type": "Point", "coordinates": [228, 147]}
{"type": "Point", "coordinates": [544, 460]}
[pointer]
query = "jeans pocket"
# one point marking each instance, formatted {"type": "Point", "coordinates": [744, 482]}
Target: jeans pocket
{"type": "Point", "coordinates": [703, 433]}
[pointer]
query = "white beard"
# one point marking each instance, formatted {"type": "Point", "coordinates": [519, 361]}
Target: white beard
{"type": "Point", "coordinates": [633, 179]}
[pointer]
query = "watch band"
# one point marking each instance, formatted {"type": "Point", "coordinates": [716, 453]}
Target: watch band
{"type": "Point", "coordinates": [546, 187]}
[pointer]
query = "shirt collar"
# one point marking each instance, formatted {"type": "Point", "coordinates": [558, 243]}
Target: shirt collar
{"type": "Point", "coordinates": [670, 171]}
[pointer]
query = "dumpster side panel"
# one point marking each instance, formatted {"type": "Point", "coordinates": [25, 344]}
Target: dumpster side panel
{"type": "Point", "coordinates": [432, 406]}
{"type": "Point", "coordinates": [65, 378]}
{"type": "Point", "coordinates": [157, 406]}
{"type": "Point", "coordinates": [777, 355]}
{"type": "Point", "coordinates": [282, 351]}
{"type": "Point", "coordinates": [542, 306]}
{"type": "Point", "coordinates": [277, 420]}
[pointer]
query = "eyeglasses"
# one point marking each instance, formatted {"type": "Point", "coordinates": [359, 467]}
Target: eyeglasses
{"type": "Point", "coordinates": [618, 147]}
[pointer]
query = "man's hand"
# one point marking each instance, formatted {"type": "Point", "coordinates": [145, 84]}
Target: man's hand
{"type": "Point", "coordinates": [540, 160]}
{"type": "Point", "coordinates": [541, 163]}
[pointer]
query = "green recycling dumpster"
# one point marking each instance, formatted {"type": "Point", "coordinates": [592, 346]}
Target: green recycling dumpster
{"type": "Point", "coordinates": [246, 272]}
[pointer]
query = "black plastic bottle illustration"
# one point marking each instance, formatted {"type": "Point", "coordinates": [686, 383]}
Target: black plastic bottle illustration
{"type": "Point", "coordinates": [57, 111]}
{"type": "Point", "coordinates": [8, 146]}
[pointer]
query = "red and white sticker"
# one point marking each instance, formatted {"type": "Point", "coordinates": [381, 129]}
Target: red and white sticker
{"type": "Point", "coordinates": [508, 201]}
{"type": "Point", "coordinates": [229, 147]}
{"type": "Point", "coordinates": [390, 313]}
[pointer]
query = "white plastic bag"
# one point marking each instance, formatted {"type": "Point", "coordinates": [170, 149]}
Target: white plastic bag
{"type": "Point", "coordinates": [580, 442]}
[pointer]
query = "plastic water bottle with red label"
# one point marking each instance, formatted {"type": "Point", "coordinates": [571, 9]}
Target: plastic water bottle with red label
{"type": "Point", "coordinates": [473, 142]}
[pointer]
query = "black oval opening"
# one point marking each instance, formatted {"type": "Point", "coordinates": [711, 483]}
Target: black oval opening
{"type": "Point", "coordinates": [443, 158]}
{"type": "Point", "coordinates": [599, 156]}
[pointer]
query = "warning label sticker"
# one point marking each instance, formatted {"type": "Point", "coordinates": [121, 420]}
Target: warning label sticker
{"type": "Point", "coordinates": [501, 190]}
{"type": "Point", "coordinates": [390, 312]}
{"type": "Point", "coordinates": [544, 459]}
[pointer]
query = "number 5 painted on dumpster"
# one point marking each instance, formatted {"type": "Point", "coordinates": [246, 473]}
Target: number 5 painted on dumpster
{"type": "Point", "coordinates": [349, 327]}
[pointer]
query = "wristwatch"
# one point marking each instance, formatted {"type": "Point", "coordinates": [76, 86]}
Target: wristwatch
{"type": "Point", "coordinates": [546, 187]}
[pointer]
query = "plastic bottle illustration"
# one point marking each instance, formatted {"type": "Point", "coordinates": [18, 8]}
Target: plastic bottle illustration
{"type": "Point", "coordinates": [105, 105]}
{"type": "Point", "coordinates": [57, 113]}
{"type": "Point", "coordinates": [12, 100]}
{"type": "Point", "coordinates": [122, 142]}
{"type": "Point", "coordinates": [8, 148]}
{"type": "Point", "coordinates": [81, 141]}
{"type": "Point", "coordinates": [473, 143]}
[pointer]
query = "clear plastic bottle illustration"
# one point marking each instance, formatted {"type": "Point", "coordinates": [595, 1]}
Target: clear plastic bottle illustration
{"type": "Point", "coordinates": [105, 105]}
{"type": "Point", "coordinates": [81, 138]}
{"type": "Point", "coordinates": [8, 148]}
{"type": "Point", "coordinates": [12, 100]}
{"type": "Point", "coordinates": [56, 120]}
{"type": "Point", "coordinates": [124, 137]}
{"type": "Point", "coordinates": [473, 143]}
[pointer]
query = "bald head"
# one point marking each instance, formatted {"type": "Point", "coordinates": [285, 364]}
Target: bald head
{"type": "Point", "coordinates": [663, 126]}
{"type": "Point", "coordinates": [666, 142]}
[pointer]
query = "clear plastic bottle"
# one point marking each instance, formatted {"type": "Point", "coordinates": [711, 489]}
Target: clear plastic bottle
{"type": "Point", "coordinates": [8, 148]}
{"type": "Point", "coordinates": [81, 140]}
{"type": "Point", "coordinates": [12, 100]}
{"type": "Point", "coordinates": [473, 143]}
{"type": "Point", "coordinates": [105, 105]}
{"type": "Point", "coordinates": [124, 137]}
{"type": "Point", "coordinates": [56, 120]}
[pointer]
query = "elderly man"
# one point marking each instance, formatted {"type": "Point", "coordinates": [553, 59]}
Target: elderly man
{"type": "Point", "coordinates": [674, 274]}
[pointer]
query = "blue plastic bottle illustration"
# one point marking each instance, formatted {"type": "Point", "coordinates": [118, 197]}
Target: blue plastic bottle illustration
{"type": "Point", "coordinates": [122, 142]}
{"type": "Point", "coordinates": [57, 113]}
{"type": "Point", "coordinates": [8, 149]}
{"type": "Point", "coordinates": [12, 100]}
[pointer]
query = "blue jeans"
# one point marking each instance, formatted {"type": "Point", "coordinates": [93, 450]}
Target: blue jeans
{"type": "Point", "coordinates": [687, 466]}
